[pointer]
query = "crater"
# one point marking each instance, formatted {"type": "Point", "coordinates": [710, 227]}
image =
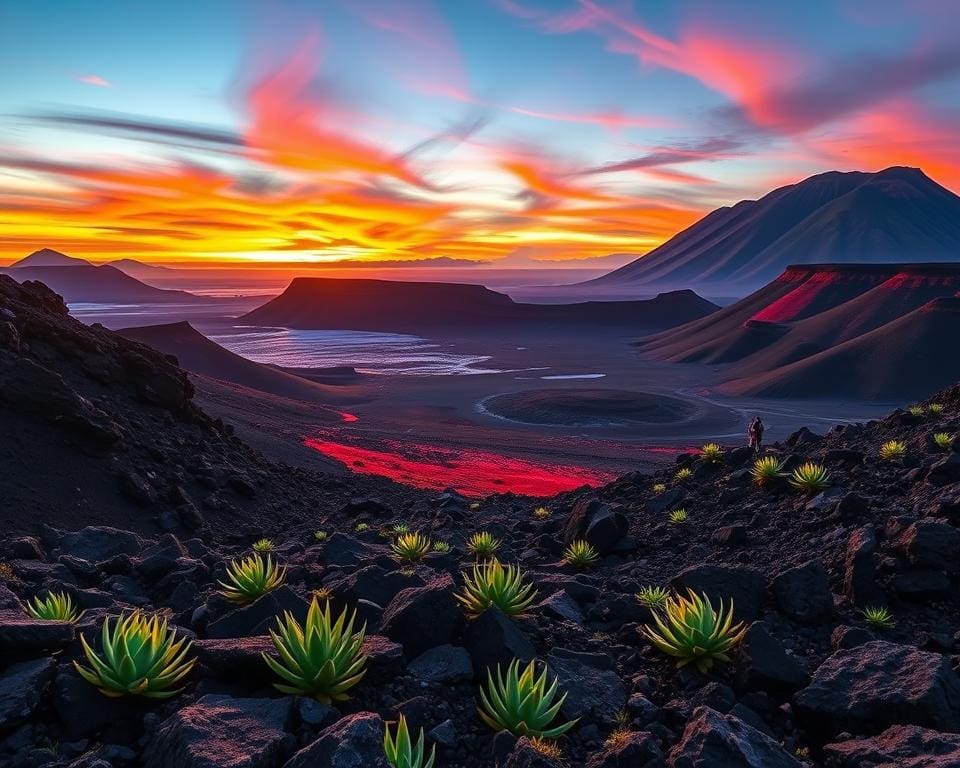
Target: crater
{"type": "Point", "coordinates": [589, 408]}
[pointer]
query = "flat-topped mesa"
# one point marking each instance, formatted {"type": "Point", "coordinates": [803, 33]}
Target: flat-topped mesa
{"type": "Point", "coordinates": [389, 305]}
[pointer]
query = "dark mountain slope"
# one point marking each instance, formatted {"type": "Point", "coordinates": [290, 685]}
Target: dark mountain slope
{"type": "Point", "coordinates": [895, 215]}
{"type": "Point", "coordinates": [198, 354]}
{"type": "Point", "coordinates": [47, 257]}
{"type": "Point", "coordinates": [97, 429]}
{"type": "Point", "coordinates": [386, 305]}
{"type": "Point", "coordinates": [904, 359]}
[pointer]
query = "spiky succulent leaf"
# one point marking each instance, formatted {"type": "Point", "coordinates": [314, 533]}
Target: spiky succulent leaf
{"type": "Point", "coordinates": [810, 478]}
{"type": "Point", "coordinates": [141, 656]}
{"type": "Point", "coordinates": [653, 597]}
{"type": "Point", "coordinates": [411, 547]}
{"type": "Point", "coordinates": [522, 703]}
{"type": "Point", "coordinates": [766, 470]}
{"type": "Point", "coordinates": [58, 606]}
{"type": "Point", "coordinates": [251, 577]}
{"type": "Point", "coordinates": [943, 440]}
{"type": "Point", "coordinates": [580, 554]}
{"type": "Point", "coordinates": [712, 453]}
{"type": "Point", "coordinates": [263, 545]}
{"type": "Point", "coordinates": [483, 544]}
{"type": "Point", "coordinates": [323, 658]}
{"type": "Point", "coordinates": [690, 630]}
{"type": "Point", "coordinates": [494, 584]}
{"type": "Point", "coordinates": [400, 750]}
{"type": "Point", "coordinates": [893, 450]}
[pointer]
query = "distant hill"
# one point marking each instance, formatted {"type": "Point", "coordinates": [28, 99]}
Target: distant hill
{"type": "Point", "coordinates": [828, 331]}
{"type": "Point", "coordinates": [85, 283]}
{"type": "Point", "coordinates": [898, 215]}
{"type": "Point", "coordinates": [47, 257]}
{"type": "Point", "coordinates": [139, 269]}
{"type": "Point", "coordinates": [383, 305]}
{"type": "Point", "coordinates": [198, 354]}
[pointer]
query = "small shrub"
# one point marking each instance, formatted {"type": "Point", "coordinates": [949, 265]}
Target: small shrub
{"type": "Point", "coordinates": [401, 752]}
{"type": "Point", "coordinates": [411, 548]}
{"type": "Point", "coordinates": [618, 737]}
{"type": "Point", "coordinates": [659, 487]}
{"type": "Point", "coordinates": [712, 453]}
{"type": "Point", "coordinates": [263, 546]}
{"type": "Point", "coordinates": [323, 593]}
{"type": "Point", "coordinates": [916, 410]}
{"type": "Point", "coordinates": [522, 703]}
{"type": "Point", "coordinates": [580, 554]}
{"type": "Point", "coordinates": [58, 606]}
{"type": "Point", "coordinates": [494, 584]}
{"type": "Point", "coordinates": [935, 409]}
{"type": "Point", "coordinates": [893, 450]}
{"type": "Point", "coordinates": [549, 749]}
{"type": "Point", "coordinates": [400, 528]}
{"type": "Point", "coordinates": [141, 657]}
{"type": "Point", "coordinates": [6, 572]}
{"type": "Point", "coordinates": [475, 506]}
{"type": "Point", "coordinates": [684, 473]}
{"type": "Point", "coordinates": [678, 516]}
{"type": "Point", "coordinates": [653, 597]}
{"type": "Point", "coordinates": [943, 440]}
{"type": "Point", "coordinates": [483, 545]}
{"type": "Point", "coordinates": [362, 528]}
{"type": "Point", "coordinates": [810, 478]}
{"type": "Point", "coordinates": [766, 470]}
{"type": "Point", "coordinates": [323, 658]}
{"type": "Point", "coordinates": [321, 535]}
{"type": "Point", "coordinates": [542, 513]}
{"type": "Point", "coordinates": [878, 617]}
{"type": "Point", "coordinates": [251, 577]}
{"type": "Point", "coordinates": [690, 630]}
{"type": "Point", "coordinates": [441, 547]}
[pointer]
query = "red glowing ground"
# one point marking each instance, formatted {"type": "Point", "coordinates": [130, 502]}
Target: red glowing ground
{"type": "Point", "coordinates": [471, 472]}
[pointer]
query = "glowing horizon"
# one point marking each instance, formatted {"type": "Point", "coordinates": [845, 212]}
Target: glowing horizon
{"type": "Point", "coordinates": [513, 132]}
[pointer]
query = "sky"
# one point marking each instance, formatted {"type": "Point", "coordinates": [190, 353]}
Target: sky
{"type": "Point", "coordinates": [507, 132]}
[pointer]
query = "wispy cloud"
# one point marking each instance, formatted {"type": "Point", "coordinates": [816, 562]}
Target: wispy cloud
{"type": "Point", "coordinates": [97, 80]}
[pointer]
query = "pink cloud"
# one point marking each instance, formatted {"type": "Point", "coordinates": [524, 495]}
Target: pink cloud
{"type": "Point", "coordinates": [96, 80]}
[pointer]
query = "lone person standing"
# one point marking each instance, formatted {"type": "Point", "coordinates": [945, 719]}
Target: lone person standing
{"type": "Point", "coordinates": [755, 434]}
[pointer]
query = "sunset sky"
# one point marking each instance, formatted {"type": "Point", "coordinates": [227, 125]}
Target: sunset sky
{"type": "Point", "coordinates": [524, 130]}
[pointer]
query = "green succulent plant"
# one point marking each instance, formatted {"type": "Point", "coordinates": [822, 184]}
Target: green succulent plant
{"type": "Point", "coordinates": [401, 752]}
{"type": "Point", "coordinates": [411, 547]}
{"type": "Point", "coordinates": [494, 584]}
{"type": "Point", "coordinates": [323, 658]}
{"type": "Point", "coordinates": [542, 513]}
{"type": "Point", "coordinates": [684, 473]}
{"type": "Point", "coordinates": [141, 657]}
{"type": "Point", "coordinates": [943, 440]}
{"type": "Point", "coordinates": [362, 528]}
{"type": "Point", "coordinates": [474, 506]}
{"type": "Point", "coordinates": [916, 410]}
{"type": "Point", "coordinates": [690, 630]}
{"type": "Point", "coordinates": [482, 544]}
{"type": "Point", "coordinates": [712, 453]}
{"type": "Point", "coordinates": [653, 597]}
{"type": "Point", "coordinates": [659, 487]}
{"type": "Point", "coordinates": [263, 545]}
{"type": "Point", "coordinates": [251, 577]}
{"type": "Point", "coordinates": [580, 554]}
{"type": "Point", "coordinates": [400, 528]}
{"type": "Point", "coordinates": [58, 606]}
{"type": "Point", "coordinates": [810, 478]}
{"type": "Point", "coordinates": [878, 617]}
{"type": "Point", "coordinates": [935, 409]}
{"type": "Point", "coordinates": [893, 450]}
{"type": "Point", "coordinates": [678, 516]}
{"type": "Point", "coordinates": [522, 703]}
{"type": "Point", "coordinates": [441, 547]}
{"type": "Point", "coordinates": [321, 535]}
{"type": "Point", "coordinates": [766, 470]}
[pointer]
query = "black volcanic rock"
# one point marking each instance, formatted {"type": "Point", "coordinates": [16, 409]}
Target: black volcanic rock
{"type": "Point", "coordinates": [900, 746]}
{"type": "Point", "coordinates": [867, 688]}
{"type": "Point", "coordinates": [355, 740]}
{"type": "Point", "coordinates": [420, 618]}
{"type": "Point", "coordinates": [713, 739]}
{"type": "Point", "coordinates": [832, 217]}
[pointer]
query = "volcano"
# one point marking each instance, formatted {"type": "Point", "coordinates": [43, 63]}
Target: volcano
{"type": "Point", "coordinates": [777, 341]}
{"type": "Point", "coordinates": [898, 215]}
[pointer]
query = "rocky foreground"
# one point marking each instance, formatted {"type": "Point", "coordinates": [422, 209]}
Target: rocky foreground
{"type": "Point", "coordinates": [812, 682]}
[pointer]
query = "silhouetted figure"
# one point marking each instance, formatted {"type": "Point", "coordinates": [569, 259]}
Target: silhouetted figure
{"type": "Point", "coordinates": [755, 434]}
